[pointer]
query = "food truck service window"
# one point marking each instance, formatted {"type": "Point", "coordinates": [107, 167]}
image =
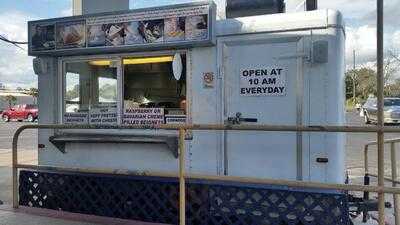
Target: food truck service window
{"type": "Point", "coordinates": [152, 94]}
{"type": "Point", "coordinates": [145, 91]}
{"type": "Point", "coordinates": [90, 93]}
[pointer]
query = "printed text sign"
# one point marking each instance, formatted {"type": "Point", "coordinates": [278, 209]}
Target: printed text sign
{"type": "Point", "coordinates": [143, 116]}
{"type": "Point", "coordinates": [263, 81]}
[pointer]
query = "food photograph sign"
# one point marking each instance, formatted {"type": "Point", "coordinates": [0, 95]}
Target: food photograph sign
{"type": "Point", "coordinates": [181, 25]}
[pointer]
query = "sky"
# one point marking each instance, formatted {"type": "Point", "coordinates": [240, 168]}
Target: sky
{"type": "Point", "coordinates": [16, 67]}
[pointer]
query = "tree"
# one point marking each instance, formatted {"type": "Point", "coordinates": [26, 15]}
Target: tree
{"type": "Point", "coordinates": [391, 65]}
{"type": "Point", "coordinates": [34, 93]}
{"type": "Point", "coordinates": [365, 83]}
{"type": "Point", "coordinates": [10, 99]}
{"type": "Point", "coordinates": [363, 80]}
{"type": "Point", "coordinates": [393, 89]}
{"type": "Point", "coordinates": [72, 93]}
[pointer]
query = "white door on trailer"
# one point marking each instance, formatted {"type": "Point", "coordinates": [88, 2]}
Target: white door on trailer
{"type": "Point", "coordinates": [262, 83]}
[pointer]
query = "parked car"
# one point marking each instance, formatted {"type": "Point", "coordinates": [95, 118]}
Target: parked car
{"type": "Point", "coordinates": [21, 112]}
{"type": "Point", "coordinates": [391, 110]}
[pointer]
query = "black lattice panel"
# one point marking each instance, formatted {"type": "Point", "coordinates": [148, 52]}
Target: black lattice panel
{"type": "Point", "coordinates": [156, 200]}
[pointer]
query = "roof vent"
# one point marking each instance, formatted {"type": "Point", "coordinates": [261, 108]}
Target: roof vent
{"type": "Point", "coordinates": [242, 8]}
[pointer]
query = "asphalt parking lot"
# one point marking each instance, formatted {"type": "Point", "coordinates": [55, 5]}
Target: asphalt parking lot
{"type": "Point", "coordinates": [355, 149]}
{"type": "Point", "coordinates": [27, 154]}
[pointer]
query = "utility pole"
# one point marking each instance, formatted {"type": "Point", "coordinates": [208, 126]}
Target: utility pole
{"type": "Point", "coordinates": [380, 124]}
{"type": "Point", "coordinates": [354, 77]}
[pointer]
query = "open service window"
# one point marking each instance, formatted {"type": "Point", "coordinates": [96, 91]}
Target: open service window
{"type": "Point", "coordinates": [90, 92]}
{"type": "Point", "coordinates": [152, 93]}
{"type": "Point", "coordinates": [128, 90]}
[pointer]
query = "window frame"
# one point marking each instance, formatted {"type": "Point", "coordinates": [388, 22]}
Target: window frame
{"type": "Point", "coordinates": [62, 61]}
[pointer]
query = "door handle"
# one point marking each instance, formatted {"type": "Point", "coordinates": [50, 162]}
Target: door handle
{"type": "Point", "coordinates": [237, 119]}
{"type": "Point", "coordinates": [249, 120]}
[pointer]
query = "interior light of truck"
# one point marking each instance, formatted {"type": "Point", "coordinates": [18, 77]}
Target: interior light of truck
{"type": "Point", "coordinates": [100, 63]}
{"type": "Point", "coordinates": [133, 61]}
{"type": "Point", "coordinates": [159, 59]}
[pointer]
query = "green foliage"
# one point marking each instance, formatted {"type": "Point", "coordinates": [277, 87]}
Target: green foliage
{"type": "Point", "coordinates": [72, 93]}
{"type": "Point", "coordinates": [33, 92]}
{"type": "Point", "coordinates": [393, 89]}
{"type": "Point", "coordinates": [10, 99]}
{"type": "Point", "coordinates": [364, 81]}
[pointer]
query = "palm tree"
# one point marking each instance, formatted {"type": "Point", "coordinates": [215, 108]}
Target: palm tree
{"type": "Point", "coordinates": [34, 93]}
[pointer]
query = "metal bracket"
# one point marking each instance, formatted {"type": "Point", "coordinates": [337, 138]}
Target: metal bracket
{"type": "Point", "coordinates": [59, 145]}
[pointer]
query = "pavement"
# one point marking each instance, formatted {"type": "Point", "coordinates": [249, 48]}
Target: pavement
{"type": "Point", "coordinates": [32, 216]}
{"type": "Point", "coordinates": [355, 164]}
{"type": "Point", "coordinates": [28, 154]}
{"type": "Point", "coordinates": [355, 150]}
{"type": "Point", "coordinates": [11, 217]}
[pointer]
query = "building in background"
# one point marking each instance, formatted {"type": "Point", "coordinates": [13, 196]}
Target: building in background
{"type": "Point", "coordinates": [15, 97]}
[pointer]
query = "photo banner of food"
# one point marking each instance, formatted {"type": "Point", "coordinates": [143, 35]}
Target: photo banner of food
{"type": "Point", "coordinates": [71, 34]}
{"type": "Point", "coordinates": [174, 29]}
{"type": "Point", "coordinates": [96, 35]}
{"type": "Point", "coordinates": [132, 33]}
{"type": "Point", "coordinates": [183, 25]}
{"type": "Point", "coordinates": [115, 34]}
{"type": "Point", "coordinates": [43, 37]}
{"type": "Point", "coordinates": [196, 27]}
{"type": "Point", "coordinates": [152, 31]}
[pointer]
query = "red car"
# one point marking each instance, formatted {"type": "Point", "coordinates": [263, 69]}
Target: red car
{"type": "Point", "coordinates": [21, 112]}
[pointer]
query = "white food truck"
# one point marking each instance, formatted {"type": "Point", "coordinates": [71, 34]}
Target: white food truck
{"type": "Point", "coordinates": [181, 64]}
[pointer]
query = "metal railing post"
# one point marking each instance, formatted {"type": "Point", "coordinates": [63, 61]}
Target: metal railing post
{"type": "Point", "coordinates": [380, 87]}
{"type": "Point", "coordinates": [182, 192]}
{"type": "Point", "coordinates": [366, 169]}
{"type": "Point", "coordinates": [14, 165]}
{"type": "Point", "coordinates": [366, 182]}
{"type": "Point", "coordinates": [394, 184]}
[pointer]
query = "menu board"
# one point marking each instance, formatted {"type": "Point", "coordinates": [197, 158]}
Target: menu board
{"type": "Point", "coordinates": [76, 118]}
{"type": "Point", "coordinates": [143, 116]}
{"type": "Point", "coordinates": [175, 119]}
{"type": "Point", "coordinates": [184, 24]}
{"type": "Point", "coordinates": [103, 116]}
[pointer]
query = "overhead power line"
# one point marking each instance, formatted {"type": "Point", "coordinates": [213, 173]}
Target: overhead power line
{"type": "Point", "coordinates": [395, 56]}
{"type": "Point", "coordinates": [15, 43]}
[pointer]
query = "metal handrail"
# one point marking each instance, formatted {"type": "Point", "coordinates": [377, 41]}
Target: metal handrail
{"type": "Point", "coordinates": [394, 179]}
{"type": "Point", "coordinates": [380, 189]}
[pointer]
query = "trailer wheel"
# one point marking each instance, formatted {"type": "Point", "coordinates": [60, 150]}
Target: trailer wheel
{"type": "Point", "coordinates": [6, 118]}
{"type": "Point", "coordinates": [30, 118]}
